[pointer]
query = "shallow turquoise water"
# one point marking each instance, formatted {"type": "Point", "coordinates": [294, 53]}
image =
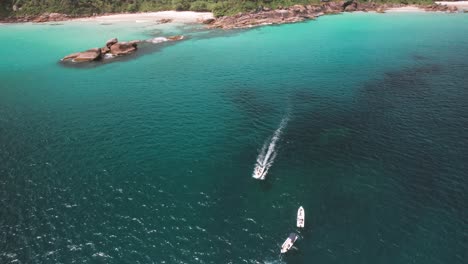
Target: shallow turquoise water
{"type": "Point", "coordinates": [149, 160]}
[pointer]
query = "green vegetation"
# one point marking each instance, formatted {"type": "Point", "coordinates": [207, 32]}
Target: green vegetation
{"type": "Point", "coordinates": [89, 7]}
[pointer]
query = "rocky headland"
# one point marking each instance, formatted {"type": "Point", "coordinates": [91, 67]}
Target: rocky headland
{"type": "Point", "coordinates": [47, 17]}
{"type": "Point", "coordinates": [298, 13]}
{"type": "Point", "coordinates": [113, 48]}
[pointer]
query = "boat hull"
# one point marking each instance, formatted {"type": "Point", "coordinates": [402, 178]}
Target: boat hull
{"type": "Point", "coordinates": [300, 217]}
{"type": "Point", "coordinates": [287, 245]}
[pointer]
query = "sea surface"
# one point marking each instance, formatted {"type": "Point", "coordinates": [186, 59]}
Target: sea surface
{"type": "Point", "coordinates": [150, 159]}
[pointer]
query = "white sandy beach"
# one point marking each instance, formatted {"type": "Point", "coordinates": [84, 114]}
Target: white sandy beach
{"type": "Point", "coordinates": [181, 17]}
{"type": "Point", "coordinates": [459, 4]}
{"type": "Point", "coordinates": [408, 9]}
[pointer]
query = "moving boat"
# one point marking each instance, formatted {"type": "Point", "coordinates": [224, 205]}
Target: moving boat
{"type": "Point", "coordinates": [287, 245]}
{"type": "Point", "coordinates": [300, 217]}
{"type": "Point", "coordinates": [259, 172]}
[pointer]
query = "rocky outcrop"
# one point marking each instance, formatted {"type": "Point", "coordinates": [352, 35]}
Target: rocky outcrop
{"type": "Point", "coordinates": [105, 50]}
{"type": "Point", "coordinates": [70, 56]}
{"type": "Point", "coordinates": [208, 21]}
{"type": "Point", "coordinates": [85, 56]}
{"type": "Point", "coordinates": [266, 16]}
{"type": "Point", "coordinates": [350, 6]}
{"type": "Point", "coordinates": [48, 17]}
{"type": "Point", "coordinates": [164, 20]}
{"type": "Point", "coordinates": [113, 48]}
{"type": "Point", "coordinates": [89, 55]}
{"type": "Point", "coordinates": [440, 8]}
{"type": "Point", "coordinates": [380, 10]}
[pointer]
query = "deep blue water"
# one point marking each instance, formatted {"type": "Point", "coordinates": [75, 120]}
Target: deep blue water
{"type": "Point", "coordinates": [149, 160]}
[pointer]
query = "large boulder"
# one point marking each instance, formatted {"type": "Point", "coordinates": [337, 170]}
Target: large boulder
{"type": "Point", "coordinates": [89, 55]}
{"type": "Point", "coordinates": [208, 21]}
{"type": "Point", "coordinates": [71, 56]}
{"type": "Point", "coordinates": [111, 42]}
{"type": "Point", "coordinates": [105, 49]}
{"type": "Point", "coordinates": [123, 48]}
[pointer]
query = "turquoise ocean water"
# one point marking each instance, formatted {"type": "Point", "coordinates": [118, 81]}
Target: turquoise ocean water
{"type": "Point", "coordinates": [149, 160]}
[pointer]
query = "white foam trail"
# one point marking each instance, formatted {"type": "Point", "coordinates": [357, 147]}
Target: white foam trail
{"type": "Point", "coordinates": [268, 153]}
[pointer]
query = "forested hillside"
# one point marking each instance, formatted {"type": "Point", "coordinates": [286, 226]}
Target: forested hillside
{"type": "Point", "coordinates": [89, 7]}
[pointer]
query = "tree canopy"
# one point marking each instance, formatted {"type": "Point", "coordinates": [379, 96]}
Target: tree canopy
{"type": "Point", "coordinates": [89, 7]}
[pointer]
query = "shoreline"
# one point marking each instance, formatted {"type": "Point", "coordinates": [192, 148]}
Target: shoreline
{"type": "Point", "coordinates": [462, 5]}
{"type": "Point", "coordinates": [299, 13]}
{"type": "Point", "coordinates": [161, 16]}
{"type": "Point", "coordinates": [406, 9]}
{"type": "Point", "coordinates": [262, 16]}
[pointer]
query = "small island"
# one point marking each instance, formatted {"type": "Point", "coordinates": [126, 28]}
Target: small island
{"type": "Point", "coordinates": [113, 48]}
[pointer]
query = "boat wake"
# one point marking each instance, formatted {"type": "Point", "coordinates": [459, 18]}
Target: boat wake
{"type": "Point", "coordinates": [268, 153]}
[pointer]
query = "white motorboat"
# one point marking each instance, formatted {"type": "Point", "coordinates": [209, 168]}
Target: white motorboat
{"type": "Point", "coordinates": [259, 172]}
{"type": "Point", "coordinates": [300, 217]}
{"type": "Point", "coordinates": [287, 245]}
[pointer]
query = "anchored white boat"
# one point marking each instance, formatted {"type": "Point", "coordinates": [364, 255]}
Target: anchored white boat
{"type": "Point", "coordinates": [287, 245]}
{"type": "Point", "coordinates": [300, 217]}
